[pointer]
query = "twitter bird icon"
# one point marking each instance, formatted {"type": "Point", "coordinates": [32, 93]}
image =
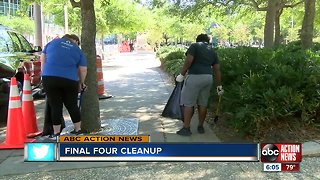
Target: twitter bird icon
{"type": "Point", "coordinates": [40, 152]}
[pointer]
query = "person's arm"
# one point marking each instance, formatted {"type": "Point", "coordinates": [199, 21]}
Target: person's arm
{"type": "Point", "coordinates": [217, 74]}
{"type": "Point", "coordinates": [82, 71]}
{"type": "Point", "coordinates": [82, 74]}
{"type": "Point", "coordinates": [187, 63]}
{"type": "Point", "coordinates": [43, 61]}
{"type": "Point", "coordinates": [185, 67]}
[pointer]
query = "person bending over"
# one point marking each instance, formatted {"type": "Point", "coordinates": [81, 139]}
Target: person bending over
{"type": "Point", "coordinates": [64, 69]}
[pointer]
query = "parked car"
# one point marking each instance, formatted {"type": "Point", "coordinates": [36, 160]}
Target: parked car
{"type": "Point", "coordinates": [17, 57]}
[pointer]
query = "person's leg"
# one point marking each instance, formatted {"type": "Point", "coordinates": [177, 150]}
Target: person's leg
{"type": "Point", "coordinates": [54, 93]}
{"type": "Point", "coordinates": [188, 113]}
{"type": "Point", "coordinates": [203, 98]}
{"type": "Point", "coordinates": [202, 113]}
{"type": "Point", "coordinates": [56, 129]}
{"type": "Point", "coordinates": [188, 100]}
{"type": "Point", "coordinates": [70, 100]}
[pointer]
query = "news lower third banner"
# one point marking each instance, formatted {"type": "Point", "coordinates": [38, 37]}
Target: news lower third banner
{"type": "Point", "coordinates": [142, 152]}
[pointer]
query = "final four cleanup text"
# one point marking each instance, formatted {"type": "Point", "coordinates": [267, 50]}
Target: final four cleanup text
{"type": "Point", "coordinates": [112, 151]}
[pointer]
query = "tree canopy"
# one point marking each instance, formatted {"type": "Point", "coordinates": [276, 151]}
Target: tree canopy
{"type": "Point", "coordinates": [241, 22]}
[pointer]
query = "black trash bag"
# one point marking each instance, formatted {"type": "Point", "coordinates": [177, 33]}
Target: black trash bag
{"type": "Point", "coordinates": [173, 109]}
{"type": "Point", "coordinates": [48, 125]}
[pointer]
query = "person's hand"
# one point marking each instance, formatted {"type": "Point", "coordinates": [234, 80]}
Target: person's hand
{"type": "Point", "coordinates": [220, 90]}
{"type": "Point", "coordinates": [83, 87]}
{"type": "Point", "coordinates": [180, 78]}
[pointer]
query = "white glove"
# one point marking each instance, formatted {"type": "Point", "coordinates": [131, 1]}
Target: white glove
{"type": "Point", "coordinates": [219, 90]}
{"type": "Point", "coordinates": [180, 78]}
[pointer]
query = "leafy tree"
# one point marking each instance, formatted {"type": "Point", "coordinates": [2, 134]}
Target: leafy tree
{"type": "Point", "coordinates": [166, 26]}
{"type": "Point", "coordinates": [23, 24]}
{"type": "Point", "coordinates": [121, 17]}
{"type": "Point", "coordinates": [274, 9]}
{"type": "Point", "coordinates": [157, 28]}
{"type": "Point", "coordinates": [90, 111]}
{"type": "Point", "coordinates": [55, 9]}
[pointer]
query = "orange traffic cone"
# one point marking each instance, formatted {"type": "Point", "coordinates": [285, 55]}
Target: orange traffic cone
{"type": "Point", "coordinates": [15, 134]}
{"type": "Point", "coordinates": [28, 111]}
{"type": "Point", "coordinates": [101, 91]}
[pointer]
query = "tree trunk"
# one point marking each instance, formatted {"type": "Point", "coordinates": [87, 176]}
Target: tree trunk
{"type": "Point", "coordinates": [277, 32]}
{"type": "Point", "coordinates": [90, 111]}
{"type": "Point", "coordinates": [308, 23]}
{"type": "Point", "coordinates": [269, 23]}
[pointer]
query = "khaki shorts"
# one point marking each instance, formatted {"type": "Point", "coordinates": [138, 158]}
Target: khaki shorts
{"type": "Point", "coordinates": [196, 90]}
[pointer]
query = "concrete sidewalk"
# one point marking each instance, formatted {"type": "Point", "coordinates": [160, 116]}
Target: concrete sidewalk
{"type": "Point", "coordinates": [140, 91]}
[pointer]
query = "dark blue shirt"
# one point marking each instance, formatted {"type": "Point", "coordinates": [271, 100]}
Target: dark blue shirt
{"type": "Point", "coordinates": [204, 57]}
{"type": "Point", "coordinates": [63, 57]}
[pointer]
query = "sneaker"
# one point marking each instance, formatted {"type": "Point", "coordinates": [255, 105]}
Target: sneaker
{"type": "Point", "coordinates": [54, 137]}
{"type": "Point", "coordinates": [184, 132]}
{"type": "Point", "coordinates": [76, 132]}
{"type": "Point", "coordinates": [200, 129]}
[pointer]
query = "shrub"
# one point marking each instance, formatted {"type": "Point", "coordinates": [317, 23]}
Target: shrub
{"type": "Point", "coordinates": [264, 86]}
{"type": "Point", "coordinates": [172, 59]}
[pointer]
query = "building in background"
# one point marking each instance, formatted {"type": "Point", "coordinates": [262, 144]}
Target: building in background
{"type": "Point", "coordinates": [9, 7]}
{"type": "Point", "coordinates": [49, 29]}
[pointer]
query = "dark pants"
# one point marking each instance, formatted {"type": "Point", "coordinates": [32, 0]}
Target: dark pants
{"type": "Point", "coordinates": [62, 91]}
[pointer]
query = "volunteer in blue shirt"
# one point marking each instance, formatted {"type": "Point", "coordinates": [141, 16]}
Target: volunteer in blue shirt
{"type": "Point", "coordinates": [201, 62]}
{"type": "Point", "coordinates": [64, 69]}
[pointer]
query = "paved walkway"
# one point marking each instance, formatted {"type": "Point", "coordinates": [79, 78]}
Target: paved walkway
{"type": "Point", "coordinates": [140, 90]}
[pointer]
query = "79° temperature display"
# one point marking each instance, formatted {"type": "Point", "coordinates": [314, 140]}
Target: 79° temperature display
{"type": "Point", "coordinates": [290, 167]}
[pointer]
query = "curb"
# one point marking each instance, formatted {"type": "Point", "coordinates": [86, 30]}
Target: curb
{"type": "Point", "coordinates": [311, 148]}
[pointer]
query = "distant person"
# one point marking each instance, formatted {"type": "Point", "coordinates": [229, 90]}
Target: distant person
{"type": "Point", "coordinates": [156, 47]}
{"type": "Point", "coordinates": [64, 69]}
{"type": "Point", "coordinates": [201, 61]}
{"type": "Point", "coordinates": [131, 46]}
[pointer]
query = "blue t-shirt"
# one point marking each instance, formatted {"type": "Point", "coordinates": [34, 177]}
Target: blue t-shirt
{"type": "Point", "coordinates": [63, 58]}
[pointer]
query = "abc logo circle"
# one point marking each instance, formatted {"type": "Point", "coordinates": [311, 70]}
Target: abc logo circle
{"type": "Point", "coordinates": [270, 152]}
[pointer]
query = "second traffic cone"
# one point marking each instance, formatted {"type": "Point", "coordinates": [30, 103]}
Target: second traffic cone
{"type": "Point", "coordinates": [101, 92]}
{"type": "Point", "coordinates": [15, 132]}
{"type": "Point", "coordinates": [28, 111]}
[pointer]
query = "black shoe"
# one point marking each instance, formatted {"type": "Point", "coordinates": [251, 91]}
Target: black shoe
{"type": "Point", "coordinates": [184, 132]}
{"type": "Point", "coordinates": [76, 132]}
{"type": "Point", "coordinates": [200, 129]}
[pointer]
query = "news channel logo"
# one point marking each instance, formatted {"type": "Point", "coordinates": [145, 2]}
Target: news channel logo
{"type": "Point", "coordinates": [39, 152]}
{"type": "Point", "coordinates": [269, 152]}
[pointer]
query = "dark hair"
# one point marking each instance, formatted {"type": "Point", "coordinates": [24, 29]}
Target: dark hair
{"type": "Point", "coordinates": [72, 37]}
{"type": "Point", "coordinates": [203, 38]}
